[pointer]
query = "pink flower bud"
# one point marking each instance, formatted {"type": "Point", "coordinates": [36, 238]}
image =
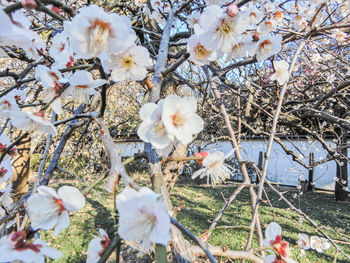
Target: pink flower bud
{"type": "Point", "coordinates": [232, 10]}
{"type": "Point", "coordinates": [29, 4]}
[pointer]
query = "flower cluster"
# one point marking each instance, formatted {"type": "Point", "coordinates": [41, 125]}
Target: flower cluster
{"type": "Point", "coordinates": [170, 120]}
{"type": "Point", "coordinates": [317, 243]}
{"type": "Point", "coordinates": [223, 31]}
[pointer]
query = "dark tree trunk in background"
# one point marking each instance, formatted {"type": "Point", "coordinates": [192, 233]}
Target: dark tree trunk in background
{"type": "Point", "coordinates": [341, 183]}
{"type": "Point", "coordinates": [21, 165]}
{"type": "Point", "coordinates": [311, 185]}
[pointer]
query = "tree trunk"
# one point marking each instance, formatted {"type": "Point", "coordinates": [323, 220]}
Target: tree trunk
{"type": "Point", "coordinates": [341, 183]}
{"type": "Point", "coordinates": [21, 165]}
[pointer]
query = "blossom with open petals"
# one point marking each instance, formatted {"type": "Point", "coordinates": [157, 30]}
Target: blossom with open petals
{"type": "Point", "coordinates": [8, 103]}
{"type": "Point", "coordinates": [5, 169]}
{"type": "Point", "coordinates": [82, 86]}
{"type": "Point", "coordinates": [143, 217]}
{"type": "Point", "coordinates": [61, 51]}
{"type": "Point", "coordinates": [281, 72]}
{"type": "Point", "coordinates": [52, 82]}
{"type": "Point", "coordinates": [97, 247]}
{"type": "Point", "coordinates": [273, 238]}
{"type": "Point", "coordinates": [303, 242]}
{"type": "Point", "coordinates": [129, 65]}
{"type": "Point", "coordinates": [31, 122]}
{"type": "Point", "coordinates": [48, 209]}
{"type": "Point", "coordinates": [222, 31]}
{"type": "Point", "coordinates": [267, 46]}
{"type": "Point", "coordinates": [93, 32]}
{"type": "Point", "coordinates": [199, 54]}
{"type": "Point", "coordinates": [15, 246]}
{"type": "Point", "coordinates": [180, 118]}
{"type": "Point", "coordinates": [4, 143]}
{"type": "Point", "coordinates": [152, 129]}
{"type": "Point", "coordinates": [214, 168]}
{"type": "Point", "coordinates": [319, 244]}
{"type": "Point", "coordinates": [14, 32]}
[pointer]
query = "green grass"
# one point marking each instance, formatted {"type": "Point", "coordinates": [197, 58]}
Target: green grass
{"type": "Point", "coordinates": [202, 203]}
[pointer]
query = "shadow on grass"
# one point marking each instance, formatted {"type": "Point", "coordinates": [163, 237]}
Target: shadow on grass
{"type": "Point", "coordinates": [203, 203]}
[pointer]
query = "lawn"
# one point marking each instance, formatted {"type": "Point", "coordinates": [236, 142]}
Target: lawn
{"type": "Point", "coordinates": [201, 206]}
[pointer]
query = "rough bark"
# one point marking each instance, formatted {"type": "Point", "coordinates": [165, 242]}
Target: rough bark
{"type": "Point", "coordinates": [21, 165]}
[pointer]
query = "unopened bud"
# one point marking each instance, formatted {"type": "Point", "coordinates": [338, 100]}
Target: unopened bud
{"type": "Point", "coordinates": [232, 10]}
{"type": "Point", "coordinates": [29, 4]}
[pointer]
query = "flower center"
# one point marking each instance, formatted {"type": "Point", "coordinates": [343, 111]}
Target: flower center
{"type": "Point", "coordinates": [3, 171]}
{"type": "Point", "coordinates": [178, 119]}
{"type": "Point", "coordinates": [98, 32]}
{"type": "Point", "coordinates": [128, 62]}
{"type": "Point", "coordinates": [213, 164]}
{"type": "Point", "coordinates": [60, 205]}
{"type": "Point", "coordinates": [225, 27]}
{"type": "Point", "coordinates": [280, 246]}
{"type": "Point", "coordinates": [104, 244]}
{"type": "Point", "coordinates": [201, 51]}
{"type": "Point", "coordinates": [266, 44]}
{"type": "Point", "coordinates": [82, 86]}
{"type": "Point", "coordinates": [21, 244]}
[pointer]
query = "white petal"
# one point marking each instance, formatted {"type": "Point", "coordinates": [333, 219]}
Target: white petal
{"type": "Point", "coordinates": [72, 198]}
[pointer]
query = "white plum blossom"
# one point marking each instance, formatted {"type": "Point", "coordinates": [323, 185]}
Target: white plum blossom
{"type": "Point", "coordinates": [214, 168]}
{"type": "Point", "coordinates": [299, 22]}
{"type": "Point", "coordinates": [239, 49]}
{"type": "Point", "coordinates": [31, 122]}
{"type": "Point", "coordinates": [267, 26]}
{"type": "Point", "coordinates": [4, 143]}
{"type": "Point", "coordinates": [8, 103]}
{"type": "Point", "coordinates": [254, 14]}
{"type": "Point", "coordinates": [303, 242]}
{"type": "Point", "coordinates": [198, 53]}
{"type": "Point", "coordinates": [140, 2]}
{"type": "Point", "coordinates": [193, 19]}
{"type": "Point", "coordinates": [152, 129]}
{"type": "Point", "coordinates": [267, 46]}
{"type": "Point", "coordinates": [129, 65]}
{"type": "Point", "coordinates": [278, 17]}
{"type": "Point", "coordinates": [15, 33]}
{"type": "Point", "coordinates": [180, 118]}
{"type": "Point", "coordinates": [97, 247]}
{"type": "Point", "coordinates": [143, 217]}
{"type": "Point", "coordinates": [281, 72]}
{"type": "Point", "coordinates": [61, 51]}
{"type": "Point", "coordinates": [6, 200]}
{"type": "Point", "coordinates": [319, 244]}
{"type": "Point", "coordinates": [216, 2]}
{"type": "Point", "coordinates": [222, 32]}
{"type": "Point", "coordinates": [82, 86]}
{"type": "Point", "coordinates": [273, 238]}
{"type": "Point", "coordinates": [52, 82]}
{"type": "Point", "coordinates": [18, 94]}
{"type": "Point", "coordinates": [15, 246]}
{"type": "Point", "coordinates": [5, 169]}
{"type": "Point", "coordinates": [48, 209]}
{"type": "Point", "coordinates": [93, 32]}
